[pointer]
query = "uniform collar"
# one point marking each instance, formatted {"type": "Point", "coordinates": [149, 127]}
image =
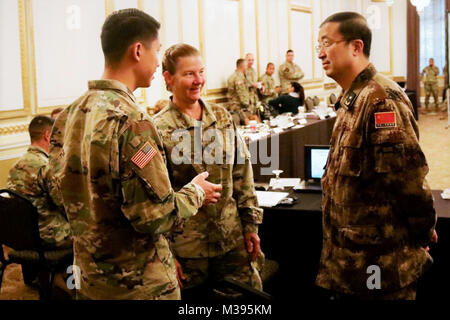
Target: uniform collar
{"type": "Point", "coordinates": [187, 122]}
{"type": "Point", "coordinates": [111, 84]}
{"type": "Point", "coordinates": [37, 149]}
{"type": "Point", "coordinates": [347, 98]}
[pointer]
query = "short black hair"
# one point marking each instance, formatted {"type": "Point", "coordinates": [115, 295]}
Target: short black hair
{"type": "Point", "coordinates": [38, 126]}
{"type": "Point", "coordinates": [123, 27]}
{"type": "Point", "coordinates": [353, 26]}
{"type": "Point", "coordinates": [239, 62]}
{"type": "Point", "coordinates": [289, 51]}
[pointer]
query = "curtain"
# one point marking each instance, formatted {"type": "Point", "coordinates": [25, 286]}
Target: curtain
{"type": "Point", "coordinates": [432, 34]}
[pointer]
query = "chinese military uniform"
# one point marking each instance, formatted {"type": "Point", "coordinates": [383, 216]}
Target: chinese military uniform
{"type": "Point", "coordinates": [213, 239]}
{"type": "Point", "coordinates": [250, 75]}
{"type": "Point", "coordinates": [289, 72]}
{"type": "Point", "coordinates": [268, 92]}
{"type": "Point", "coordinates": [110, 173]}
{"type": "Point", "coordinates": [430, 83]}
{"type": "Point", "coordinates": [27, 177]}
{"type": "Point", "coordinates": [377, 208]}
{"type": "Point", "coordinates": [239, 96]}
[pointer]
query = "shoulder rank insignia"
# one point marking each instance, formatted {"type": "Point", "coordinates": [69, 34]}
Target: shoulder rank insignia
{"type": "Point", "coordinates": [385, 120]}
{"type": "Point", "coordinates": [350, 100]}
{"type": "Point", "coordinates": [143, 156]}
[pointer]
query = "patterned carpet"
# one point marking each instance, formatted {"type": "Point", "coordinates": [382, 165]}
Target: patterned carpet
{"type": "Point", "coordinates": [435, 142]}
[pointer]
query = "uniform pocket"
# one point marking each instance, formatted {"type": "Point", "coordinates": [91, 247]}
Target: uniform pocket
{"type": "Point", "coordinates": [389, 158]}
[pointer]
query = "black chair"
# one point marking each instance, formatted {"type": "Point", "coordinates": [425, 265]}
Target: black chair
{"type": "Point", "coordinates": [19, 230]}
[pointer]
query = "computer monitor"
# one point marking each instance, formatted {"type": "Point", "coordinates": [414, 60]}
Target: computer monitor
{"type": "Point", "coordinates": [315, 160]}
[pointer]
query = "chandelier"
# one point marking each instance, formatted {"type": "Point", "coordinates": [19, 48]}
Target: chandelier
{"type": "Point", "coordinates": [420, 5]}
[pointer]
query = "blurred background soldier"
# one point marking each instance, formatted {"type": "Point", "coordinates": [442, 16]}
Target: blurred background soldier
{"type": "Point", "coordinates": [268, 89]}
{"type": "Point", "coordinates": [239, 94]}
{"type": "Point", "coordinates": [289, 71]}
{"type": "Point", "coordinates": [252, 79]}
{"type": "Point", "coordinates": [430, 83]}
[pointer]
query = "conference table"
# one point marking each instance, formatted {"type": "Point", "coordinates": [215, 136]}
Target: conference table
{"type": "Point", "coordinates": [290, 148]}
{"type": "Point", "coordinates": [292, 236]}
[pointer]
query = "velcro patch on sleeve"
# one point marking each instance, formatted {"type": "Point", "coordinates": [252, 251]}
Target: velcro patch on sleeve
{"type": "Point", "coordinates": [385, 120]}
{"type": "Point", "coordinates": [143, 156]}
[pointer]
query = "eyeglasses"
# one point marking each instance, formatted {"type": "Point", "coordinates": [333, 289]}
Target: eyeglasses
{"type": "Point", "coordinates": [325, 44]}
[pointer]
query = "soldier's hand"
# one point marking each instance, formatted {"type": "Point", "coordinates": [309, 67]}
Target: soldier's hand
{"type": "Point", "coordinates": [180, 275]}
{"type": "Point", "coordinates": [252, 243]}
{"type": "Point", "coordinates": [212, 190]}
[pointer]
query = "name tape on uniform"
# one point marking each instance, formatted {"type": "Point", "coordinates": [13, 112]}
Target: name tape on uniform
{"type": "Point", "coordinates": [143, 155]}
{"type": "Point", "coordinates": [385, 120]}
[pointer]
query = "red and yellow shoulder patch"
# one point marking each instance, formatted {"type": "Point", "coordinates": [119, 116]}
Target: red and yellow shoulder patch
{"type": "Point", "coordinates": [385, 120]}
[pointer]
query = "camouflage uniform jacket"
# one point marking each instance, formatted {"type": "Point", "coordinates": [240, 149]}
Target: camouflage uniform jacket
{"type": "Point", "coordinates": [215, 229]}
{"type": "Point", "coordinates": [289, 72]}
{"type": "Point", "coordinates": [238, 92]}
{"type": "Point", "coordinates": [377, 207]}
{"type": "Point", "coordinates": [431, 74]}
{"type": "Point", "coordinates": [119, 204]}
{"type": "Point", "coordinates": [269, 88]}
{"type": "Point", "coordinates": [250, 75]}
{"type": "Point", "coordinates": [27, 178]}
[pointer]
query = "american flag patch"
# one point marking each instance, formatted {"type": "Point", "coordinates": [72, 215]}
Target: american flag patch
{"type": "Point", "coordinates": [143, 155]}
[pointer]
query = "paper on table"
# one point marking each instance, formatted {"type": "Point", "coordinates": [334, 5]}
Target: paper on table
{"type": "Point", "coordinates": [269, 198]}
{"type": "Point", "coordinates": [286, 182]}
{"type": "Point", "coordinates": [277, 130]}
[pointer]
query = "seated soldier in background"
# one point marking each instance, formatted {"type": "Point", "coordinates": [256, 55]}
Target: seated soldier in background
{"type": "Point", "coordinates": [268, 90]}
{"type": "Point", "coordinates": [27, 178]}
{"type": "Point", "coordinates": [291, 101]}
{"type": "Point", "coordinates": [239, 94]}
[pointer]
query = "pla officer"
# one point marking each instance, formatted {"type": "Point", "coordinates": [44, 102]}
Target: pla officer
{"type": "Point", "coordinates": [430, 82]}
{"type": "Point", "coordinates": [109, 172]}
{"type": "Point", "coordinates": [289, 71]}
{"type": "Point", "coordinates": [378, 215]}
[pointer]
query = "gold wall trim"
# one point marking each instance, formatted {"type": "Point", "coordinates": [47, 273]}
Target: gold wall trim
{"type": "Point", "coordinates": [109, 7]}
{"type": "Point", "coordinates": [301, 8]}
{"type": "Point", "coordinates": [241, 27]}
{"type": "Point", "coordinates": [329, 86]}
{"type": "Point", "coordinates": [180, 20]}
{"type": "Point", "coordinates": [216, 91]}
{"type": "Point", "coordinates": [140, 4]}
{"type": "Point", "coordinates": [289, 24]}
{"type": "Point", "coordinates": [218, 100]}
{"type": "Point", "coordinates": [15, 128]}
{"type": "Point", "coordinates": [258, 64]}
{"type": "Point", "coordinates": [26, 66]}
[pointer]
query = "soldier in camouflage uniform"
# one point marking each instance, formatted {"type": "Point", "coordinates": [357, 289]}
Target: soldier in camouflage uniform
{"type": "Point", "coordinates": [252, 80]}
{"type": "Point", "coordinates": [289, 71]}
{"type": "Point", "coordinates": [268, 90]}
{"type": "Point", "coordinates": [430, 83]}
{"type": "Point", "coordinates": [27, 177]}
{"type": "Point", "coordinates": [377, 208]}
{"type": "Point", "coordinates": [109, 171]}
{"type": "Point", "coordinates": [222, 239]}
{"type": "Point", "coordinates": [238, 93]}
